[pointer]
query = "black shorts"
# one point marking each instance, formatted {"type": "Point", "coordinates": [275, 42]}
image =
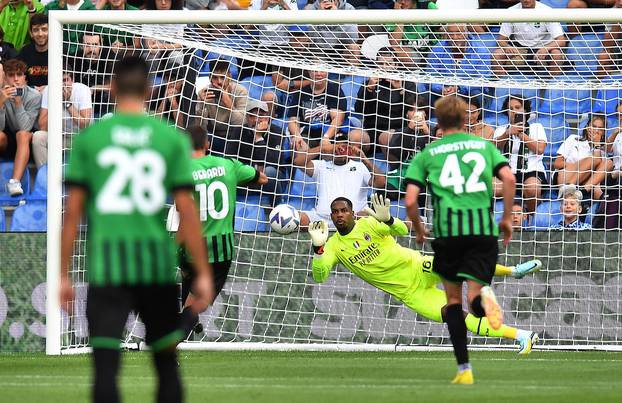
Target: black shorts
{"type": "Point", "coordinates": [221, 271]}
{"type": "Point", "coordinates": [108, 307]}
{"type": "Point", "coordinates": [521, 177]}
{"type": "Point", "coordinates": [457, 259]}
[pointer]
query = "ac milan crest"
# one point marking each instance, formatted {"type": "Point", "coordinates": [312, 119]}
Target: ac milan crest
{"type": "Point", "coordinates": [356, 244]}
{"type": "Point", "coordinates": [367, 237]}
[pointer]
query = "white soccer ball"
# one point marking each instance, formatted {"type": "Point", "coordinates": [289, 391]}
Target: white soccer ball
{"type": "Point", "coordinates": [284, 219]}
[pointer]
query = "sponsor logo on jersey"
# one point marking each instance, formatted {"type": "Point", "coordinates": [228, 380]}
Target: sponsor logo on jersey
{"type": "Point", "coordinates": [356, 244]}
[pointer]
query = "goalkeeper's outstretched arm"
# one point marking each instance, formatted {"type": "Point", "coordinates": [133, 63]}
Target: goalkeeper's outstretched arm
{"type": "Point", "coordinates": [381, 210]}
{"type": "Point", "coordinates": [324, 257]}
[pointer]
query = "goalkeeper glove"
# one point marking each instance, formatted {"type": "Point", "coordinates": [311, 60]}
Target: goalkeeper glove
{"type": "Point", "coordinates": [318, 231]}
{"type": "Point", "coordinates": [380, 208]}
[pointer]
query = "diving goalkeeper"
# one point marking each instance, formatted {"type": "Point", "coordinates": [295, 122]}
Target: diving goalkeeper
{"type": "Point", "coordinates": [367, 248]}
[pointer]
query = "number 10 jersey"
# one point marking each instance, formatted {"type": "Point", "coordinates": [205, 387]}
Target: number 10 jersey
{"type": "Point", "coordinates": [129, 164]}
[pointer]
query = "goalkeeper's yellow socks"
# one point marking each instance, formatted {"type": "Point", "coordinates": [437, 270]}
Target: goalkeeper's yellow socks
{"type": "Point", "coordinates": [482, 327]}
{"type": "Point", "coordinates": [501, 270]}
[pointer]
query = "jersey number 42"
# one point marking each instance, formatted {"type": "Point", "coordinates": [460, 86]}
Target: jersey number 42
{"type": "Point", "coordinates": [451, 175]}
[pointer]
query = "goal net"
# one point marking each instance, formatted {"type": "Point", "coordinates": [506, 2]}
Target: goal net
{"type": "Point", "coordinates": [271, 91]}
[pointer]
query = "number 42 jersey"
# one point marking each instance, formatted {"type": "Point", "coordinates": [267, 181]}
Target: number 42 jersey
{"type": "Point", "coordinates": [458, 170]}
{"type": "Point", "coordinates": [129, 164]}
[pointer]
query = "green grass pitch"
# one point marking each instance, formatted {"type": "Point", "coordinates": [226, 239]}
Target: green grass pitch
{"type": "Point", "coordinates": [329, 377]}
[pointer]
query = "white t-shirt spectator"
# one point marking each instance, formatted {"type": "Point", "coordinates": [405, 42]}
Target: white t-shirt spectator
{"type": "Point", "coordinates": [573, 149]}
{"type": "Point", "coordinates": [617, 152]}
{"type": "Point", "coordinates": [273, 33]}
{"type": "Point", "coordinates": [531, 34]}
{"type": "Point", "coordinates": [350, 180]}
{"type": "Point", "coordinates": [534, 162]}
{"type": "Point", "coordinates": [80, 99]}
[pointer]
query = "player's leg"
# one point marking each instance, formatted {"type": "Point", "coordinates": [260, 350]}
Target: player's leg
{"type": "Point", "coordinates": [107, 309]}
{"type": "Point", "coordinates": [520, 270]}
{"type": "Point", "coordinates": [158, 309]}
{"type": "Point", "coordinates": [447, 259]}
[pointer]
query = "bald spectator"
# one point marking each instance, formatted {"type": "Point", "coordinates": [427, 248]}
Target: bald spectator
{"type": "Point", "coordinates": [524, 44]}
{"type": "Point", "coordinates": [14, 19]}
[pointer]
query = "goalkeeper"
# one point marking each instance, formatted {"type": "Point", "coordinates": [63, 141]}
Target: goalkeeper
{"type": "Point", "coordinates": [367, 248]}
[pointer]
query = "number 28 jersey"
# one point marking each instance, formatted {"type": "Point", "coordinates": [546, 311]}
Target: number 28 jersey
{"type": "Point", "coordinates": [129, 164]}
{"type": "Point", "coordinates": [215, 183]}
{"type": "Point", "coordinates": [458, 170]}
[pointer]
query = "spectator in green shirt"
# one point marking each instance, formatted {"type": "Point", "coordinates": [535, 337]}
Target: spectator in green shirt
{"type": "Point", "coordinates": [116, 39]}
{"type": "Point", "coordinates": [71, 37]}
{"type": "Point", "coordinates": [410, 43]}
{"type": "Point", "coordinates": [14, 20]}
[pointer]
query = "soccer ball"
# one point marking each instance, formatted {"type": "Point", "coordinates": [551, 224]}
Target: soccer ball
{"type": "Point", "coordinates": [284, 219]}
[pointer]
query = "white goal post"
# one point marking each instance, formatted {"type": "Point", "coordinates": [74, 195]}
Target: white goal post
{"type": "Point", "coordinates": [527, 245]}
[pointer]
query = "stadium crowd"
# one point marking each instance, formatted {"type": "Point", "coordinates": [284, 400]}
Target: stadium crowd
{"type": "Point", "coordinates": [318, 135]}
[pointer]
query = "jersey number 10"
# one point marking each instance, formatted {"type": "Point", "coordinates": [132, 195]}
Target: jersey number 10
{"type": "Point", "coordinates": [207, 203]}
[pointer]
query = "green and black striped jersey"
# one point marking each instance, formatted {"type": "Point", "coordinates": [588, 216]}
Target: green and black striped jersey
{"type": "Point", "coordinates": [458, 171]}
{"type": "Point", "coordinates": [215, 183]}
{"type": "Point", "coordinates": [129, 164]}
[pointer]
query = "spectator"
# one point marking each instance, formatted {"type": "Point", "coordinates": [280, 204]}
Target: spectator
{"type": "Point", "coordinates": [19, 107]}
{"type": "Point", "coordinates": [35, 54]}
{"type": "Point", "coordinates": [166, 29]}
{"type": "Point", "coordinates": [523, 143]}
{"type": "Point", "coordinates": [411, 43]}
{"type": "Point", "coordinates": [168, 105]}
{"type": "Point", "coordinates": [497, 3]}
{"type": "Point", "coordinates": [118, 40]}
{"type": "Point", "coordinates": [14, 20]}
{"type": "Point", "coordinates": [77, 114]}
{"type": "Point", "coordinates": [346, 174]}
{"type": "Point", "coordinates": [222, 105]}
{"type": "Point", "coordinates": [582, 161]}
{"type": "Point", "coordinates": [335, 38]}
{"type": "Point", "coordinates": [525, 43]}
{"type": "Point", "coordinates": [265, 146]}
{"type": "Point", "coordinates": [73, 35]}
{"type": "Point", "coordinates": [382, 102]}
{"type": "Point", "coordinates": [474, 124]}
{"type": "Point", "coordinates": [614, 146]}
{"type": "Point", "coordinates": [570, 209]}
{"type": "Point", "coordinates": [519, 218]}
{"type": "Point", "coordinates": [413, 136]}
{"type": "Point", "coordinates": [611, 55]}
{"type": "Point", "coordinates": [590, 3]}
{"type": "Point", "coordinates": [319, 111]}
{"type": "Point", "coordinates": [7, 51]}
{"type": "Point", "coordinates": [273, 34]}
{"type": "Point", "coordinates": [376, 4]}
{"type": "Point", "coordinates": [459, 54]}
{"type": "Point", "coordinates": [92, 66]}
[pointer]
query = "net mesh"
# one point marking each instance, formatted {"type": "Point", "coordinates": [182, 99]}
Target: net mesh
{"type": "Point", "coordinates": [376, 84]}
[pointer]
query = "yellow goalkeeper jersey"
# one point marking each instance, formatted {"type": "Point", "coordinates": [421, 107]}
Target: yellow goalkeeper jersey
{"type": "Point", "coordinates": [371, 252]}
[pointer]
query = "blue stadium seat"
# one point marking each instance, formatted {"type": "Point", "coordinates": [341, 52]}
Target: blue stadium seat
{"type": "Point", "coordinates": [350, 86]}
{"type": "Point", "coordinates": [2, 221]}
{"type": "Point", "coordinates": [556, 132]}
{"type": "Point", "coordinates": [501, 94]}
{"type": "Point", "coordinates": [40, 190]}
{"type": "Point", "coordinates": [555, 3]}
{"type": "Point", "coordinates": [607, 100]}
{"type": "Point", "coordinates": [30, 217]}
{"type": "Point", "coordinates": [547, 214]}
{"type": "Point", "coordinates": [204, 63]}
{"type": "Point", "coordinates": [250, 215]}
{"type": "Point", "coordinates": [568, 102]}
{"type": "Point", "coordinates": [6, 171]}
{"type": "Point", "coordinates": [302, 191]}
{"type": "Point", "coordinates": [399, 210]}
{"type": "Point", "coordinates": [583, 52]}
{"type": "Point", "coordinates": [258, 85]}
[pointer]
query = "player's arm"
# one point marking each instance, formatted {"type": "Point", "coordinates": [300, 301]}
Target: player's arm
{"type": "Point", "coordinates": [324, 258]}
{"type": "Point", "coordinates": [412, 209]}
{"type": "Point", "coordinates": [190, 227]}
{"type": "Point", "coordinates": [74, 208]}
{"type": "Point", "coordinates": [381, 210]}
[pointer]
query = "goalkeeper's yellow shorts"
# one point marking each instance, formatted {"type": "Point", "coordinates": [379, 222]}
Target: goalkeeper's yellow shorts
{"type": "Point", "coordinates": [426, 299]}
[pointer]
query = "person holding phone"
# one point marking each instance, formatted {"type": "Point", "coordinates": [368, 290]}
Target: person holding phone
{"type": "Point", "coordinates": [523, 143]}
{"type": "Point", "coordinates": [19, 107]}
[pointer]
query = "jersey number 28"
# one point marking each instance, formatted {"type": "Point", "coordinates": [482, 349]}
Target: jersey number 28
{"type": "Point", "coordinates": [143, 171]}
{"type": "Point", "coordinates": [452, 176]}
